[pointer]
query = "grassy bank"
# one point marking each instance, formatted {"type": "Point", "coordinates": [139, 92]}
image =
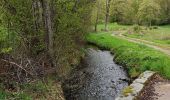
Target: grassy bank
{"type": "Point", "coordinates": [135, 57]}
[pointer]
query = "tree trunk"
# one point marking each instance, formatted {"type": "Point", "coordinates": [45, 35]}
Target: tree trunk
{"type": "Point", "coordinates": [49, 30]}
{"type": "Point", "coordinates": [37, 15]}
{"type": "Point", "coordinates": [97, 17]}
{"type": "Point", "coordinates": [107, 13]}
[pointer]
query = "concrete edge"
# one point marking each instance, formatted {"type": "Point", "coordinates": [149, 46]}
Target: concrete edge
{"type": "Point", "coordinates": [136, 87]}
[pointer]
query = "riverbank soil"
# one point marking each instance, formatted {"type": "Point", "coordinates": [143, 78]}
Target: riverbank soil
{"type": "Point", "coordinates": [156, 89]}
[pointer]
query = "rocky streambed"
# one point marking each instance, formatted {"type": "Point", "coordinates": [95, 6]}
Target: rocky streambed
{"type": "Point", "coordinates": [99, 78]}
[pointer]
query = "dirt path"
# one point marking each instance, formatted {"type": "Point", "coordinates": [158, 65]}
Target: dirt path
{"type": "Point", "coordinates": [162, 89]}
{"type": "Point", "coordinates": [156, 89]}
{"type": "Point", "coordinates": [163, 49]}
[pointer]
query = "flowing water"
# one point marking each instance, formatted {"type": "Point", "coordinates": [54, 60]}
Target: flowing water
{"type": "Point", "coordinates": [106, 79]}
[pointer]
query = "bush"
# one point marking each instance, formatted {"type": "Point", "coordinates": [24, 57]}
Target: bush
{"type": "Point", "coordinates": [136, 28]}
{"type": "Point", "coordinates": [155, 27]}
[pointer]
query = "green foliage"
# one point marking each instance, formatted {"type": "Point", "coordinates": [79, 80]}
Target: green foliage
{"type": "Point", "coordinates": [137, 58]}
{"type": "Point", "coordinates": [18, 24]}
{"type": "Point", "coordinates": [14, 96]}
{"type": "Point", "coordinates": [72, 22]}
{"type": "Point", "coordinates": [38, 87]}
{"type": "Point", "coordinates": [149, 12]}
{"type": "Point", "coordinates": [145, 12]}
{"type": "Point", "coordinates": [6, 50]}
{"type": "Point", "coordinates": [7, 40]}
{"type": "Point", "coordinates": [99, 10]}
{"type": "Point", "coordinates": [25, 31]}
{"type": "Point", "coordinates": [136, 29]}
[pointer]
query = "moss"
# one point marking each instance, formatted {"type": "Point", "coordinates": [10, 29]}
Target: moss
{"type": "Point", "coordinates": [127, 91]}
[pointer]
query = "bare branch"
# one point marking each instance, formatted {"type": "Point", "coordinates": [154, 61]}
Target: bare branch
{"type": "Point", "coordinates": [13, 63]}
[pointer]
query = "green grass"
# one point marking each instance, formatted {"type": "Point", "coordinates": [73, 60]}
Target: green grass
{"type": "Point", "coordinates": [135, 57]}
{"type": "Point", "coordinates": [7, 40]}
{"type": "Point", "coordinates": [113, 27]}
{"type": "Point", "coordinates": [160, 35]}
{"type": "Point", "coordinates": [14, 96]}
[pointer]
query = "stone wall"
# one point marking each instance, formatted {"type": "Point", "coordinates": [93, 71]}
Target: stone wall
{"type": "Point", "coordinates": [133, 90]}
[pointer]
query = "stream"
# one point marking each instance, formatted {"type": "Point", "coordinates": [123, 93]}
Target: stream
{"type": "Point", "coordinates": [103, 78]}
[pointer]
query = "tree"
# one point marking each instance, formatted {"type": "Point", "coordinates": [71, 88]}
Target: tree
{"type": "Point", "coordinates": [149, 12]}
{"type": "Point", "coordinates": [53, 29]}
{"type": "Point", "coordinates": [97, 15]}
{"type": "Point", "coordinates": [49, 29]}
{"type": "Point", "coordinates": [165, 11]}
{"type": "Point", "coordinates": [118, 9]}
{"type": "Point", "coordinates": [108, 3]}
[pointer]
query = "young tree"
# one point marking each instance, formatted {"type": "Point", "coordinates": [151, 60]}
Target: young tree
{"type": "Point", "coordinates": [97, 14]}
{"type": "Point", "coordinates": [108, 3]}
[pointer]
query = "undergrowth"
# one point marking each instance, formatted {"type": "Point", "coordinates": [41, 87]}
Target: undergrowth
{"type": "Point", "coordinates": [38, 90]}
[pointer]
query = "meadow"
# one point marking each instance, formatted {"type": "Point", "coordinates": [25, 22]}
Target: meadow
{"type": "Point", "coordinates": [159, 35]}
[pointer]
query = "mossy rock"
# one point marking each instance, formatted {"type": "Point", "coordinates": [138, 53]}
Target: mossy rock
{"type": "Point", "coordinates": [127, 91]}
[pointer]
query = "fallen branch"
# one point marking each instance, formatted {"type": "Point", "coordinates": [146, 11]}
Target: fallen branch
{"type": "Point", "coordinates": [13, 63]}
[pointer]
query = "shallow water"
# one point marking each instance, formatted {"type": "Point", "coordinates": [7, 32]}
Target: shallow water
{"type": "Point", "coordinates": [106, 80]}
